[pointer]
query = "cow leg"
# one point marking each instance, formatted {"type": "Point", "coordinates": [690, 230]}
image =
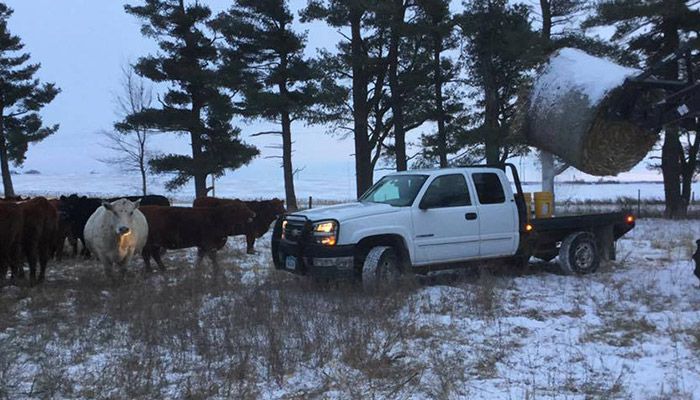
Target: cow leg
{"type": "Point", "coordinates": [43, 261]}
{"type": "Point", "coordinates": [250, 242]}
{"type": "Point", "coordinates": [17, 264]}
{"type": "Point", "coordinates": [73, 241]}
{"type": "Point", "coordinates": [17, 271]}
{"type": "Point", "coordinates": [58, 252]}
{"type": "Point", "coordinates": [108, 268]}
{"type": "Point", "coordinates": [124, 262]}
{"type": "Point", "coordinates": [156, 256]}
{"type": "Point", "coordinates": [200, 257]}
{"type": "Point", "coordinates": [3, 273]}
{"type": "Point", "coordinates": [146, 254]}
{"type": "Point", "coordinates": [32, 260]}
{"type": "Point", "coordinates": [214, 260]}
{"type": "Point", "coordinates": [86, 251]}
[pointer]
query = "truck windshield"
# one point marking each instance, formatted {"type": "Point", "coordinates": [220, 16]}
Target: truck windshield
{"type": "Point", "coordinates": [395, 190]}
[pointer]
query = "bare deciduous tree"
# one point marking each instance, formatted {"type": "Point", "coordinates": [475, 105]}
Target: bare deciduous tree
{"type": "Point", "coordinates": [130, 141]}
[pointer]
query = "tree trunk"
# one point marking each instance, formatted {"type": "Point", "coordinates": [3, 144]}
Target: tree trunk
{"type": "Point", "coordinates": [492, 141]}
{"type": "Point", "coordinates": [671, 170]}
{"type": "Point", "coordinates": [671, 151]}
{"type": "Point", "coordinates": [200, 185]}
{"type": "Point", "coordinates": [439, 109]}
{"type": "Point", "coordinates": [4, 160]}
{"type": "Point", "coordinates": [396, 95]}
{"type": "Point", "coordinates": [686, 190]}
{"type": "Point", "coordinates": [546, 10]}
{"type": "Point", "coordinates": [363, 152]}
{"type": "Point", "coordinates": [290, 195]}
{"type": "Point", "coordinates": [144, 189]}
{"type": "Point", "coordinates": [548, 172]}
{"type": "Point", "coordinates": [141, 137]}
{"type": "Point", "coordinates": [200, 177]}
{"type": "Point", "coordinates": [690, 166]}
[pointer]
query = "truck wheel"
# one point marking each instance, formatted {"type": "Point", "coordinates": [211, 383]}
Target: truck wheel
{"type": "Point", "coordinates": [579, 254]}
{"type": "Point", "coordinates": [380, 268]}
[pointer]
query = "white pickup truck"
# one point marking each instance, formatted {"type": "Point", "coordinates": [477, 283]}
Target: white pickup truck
{"type": "Point", "coordinates": [423, 220]}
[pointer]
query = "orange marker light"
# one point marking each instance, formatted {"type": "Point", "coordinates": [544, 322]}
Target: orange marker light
{"type": "Point", "coordinates": [630, 219]}
{"type": "Point", "coordinates": [328, 241]}
{"type": "Point", "coordinates": [529, 228]}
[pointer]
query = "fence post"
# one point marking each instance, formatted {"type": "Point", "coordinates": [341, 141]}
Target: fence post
{"type": "Point", "coordinates": [311, 202]}
{"type": "Point", "coordinates": [639, 202]}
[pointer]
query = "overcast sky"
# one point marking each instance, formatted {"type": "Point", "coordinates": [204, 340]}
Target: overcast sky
{"type": "Point", "coordinates": [82, 45]}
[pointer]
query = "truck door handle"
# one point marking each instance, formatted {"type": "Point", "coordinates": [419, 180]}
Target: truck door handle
{"type": "Point", "coordinates": [470, 216]}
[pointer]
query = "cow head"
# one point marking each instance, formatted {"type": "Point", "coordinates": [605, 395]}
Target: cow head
{"type": "Point", "coordinates": [270, 210]}
{"type": "Point", "coordinates": [235, 214]}
{"type": "Point", "coordinates": [277, 207]}
{"type": "Point", "coordinates": [122, 215]}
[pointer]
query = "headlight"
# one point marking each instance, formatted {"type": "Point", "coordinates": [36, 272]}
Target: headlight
{"type": "Point", "coordinates": [325, 232]}
{"type": "Point", "coordinates": [284, 227]}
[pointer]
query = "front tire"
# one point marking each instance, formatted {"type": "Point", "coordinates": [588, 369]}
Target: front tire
{"type": "Point", "coordinates": [381, 268]}
{"type": "Point", "coordinates": [579, 254]}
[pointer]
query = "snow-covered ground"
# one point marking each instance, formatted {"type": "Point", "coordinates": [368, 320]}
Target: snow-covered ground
{"type": "Point", "coordinates": [632, 330]}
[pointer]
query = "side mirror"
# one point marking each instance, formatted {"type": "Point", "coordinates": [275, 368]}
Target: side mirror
{"type": "Point", "coordinates": [426, 203]}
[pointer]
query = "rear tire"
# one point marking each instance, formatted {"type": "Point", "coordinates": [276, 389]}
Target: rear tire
{"type": "Point", "coordinates": [579, 254]}
{"type": "Point", "coordinates": [381, 268]}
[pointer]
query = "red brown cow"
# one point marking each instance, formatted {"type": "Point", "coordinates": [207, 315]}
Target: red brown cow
{"type": "Point", "coordinates": [266, 211]}
{"type": "Point", "coordinates": [182, 227]}
{"type": "Point", "coordinates": [11, 223]}
{"type": "Point", "coordinates": [38, 234]}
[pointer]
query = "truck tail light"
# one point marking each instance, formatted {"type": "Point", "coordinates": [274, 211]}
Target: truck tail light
{"type": "Point", "coordinates": [629, 219]}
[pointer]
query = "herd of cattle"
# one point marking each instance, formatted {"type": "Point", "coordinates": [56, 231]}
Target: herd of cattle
{"type": "Point", "coordinates": [35, 230]}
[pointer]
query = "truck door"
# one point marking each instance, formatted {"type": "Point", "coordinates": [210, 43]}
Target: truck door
{"type": "Point", "coordinates": [498, 215]}
{"type": "Point", "coordinates": [445, 224]}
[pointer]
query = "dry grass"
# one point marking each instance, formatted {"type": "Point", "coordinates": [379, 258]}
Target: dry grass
{"type": "Point", "coordinates": [198, 335]}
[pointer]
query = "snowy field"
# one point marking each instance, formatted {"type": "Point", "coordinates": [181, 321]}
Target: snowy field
{"type": "Point", "coordinates": [326, 187]}
{"type": "Point", "coordinates": [630, 331]}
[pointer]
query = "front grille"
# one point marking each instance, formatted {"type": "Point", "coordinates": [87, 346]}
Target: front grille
{"type": "Point", "coordinates": [296, 229]}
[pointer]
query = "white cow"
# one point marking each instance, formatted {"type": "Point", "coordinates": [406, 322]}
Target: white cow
{"type": "Point", "coordinates": [115, 232]}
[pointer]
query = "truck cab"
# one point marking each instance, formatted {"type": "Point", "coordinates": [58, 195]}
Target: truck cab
{"type": "Point", "coordinates": [420, 220]}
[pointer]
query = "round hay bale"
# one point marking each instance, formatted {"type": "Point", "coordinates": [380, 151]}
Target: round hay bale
{"type": "Point", "coordinates": [580, 110]}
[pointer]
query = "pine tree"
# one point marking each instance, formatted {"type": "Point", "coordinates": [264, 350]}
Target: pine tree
{"type": "Point", "coordinates": [284, 88]}
{"type": "Point", "coordinates": [500, 47]}
{"type": "Point", "coordinates": [655, 28]}
{"type": "Point", "coordinates": [393, 13]}
{"type": "Point", "coordinates": [435, 19]}
{"type": "Point", "coordinates": [22, 96]}
{"type": "Point", "coordinates": [199, 99]}
{"type": "Point", "coordinates": [361, 60]}
{"type": "Point", "coordinates": [409, 68]}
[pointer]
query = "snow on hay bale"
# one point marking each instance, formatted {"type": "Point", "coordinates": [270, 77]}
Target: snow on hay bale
{"type": "Point", "coordinates": [579, 110]}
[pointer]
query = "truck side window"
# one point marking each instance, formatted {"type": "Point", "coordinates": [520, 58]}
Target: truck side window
{"type": "Point", "coordinates": [446, 191]}
{"type": "Point", "coordinates": [489, 188]}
